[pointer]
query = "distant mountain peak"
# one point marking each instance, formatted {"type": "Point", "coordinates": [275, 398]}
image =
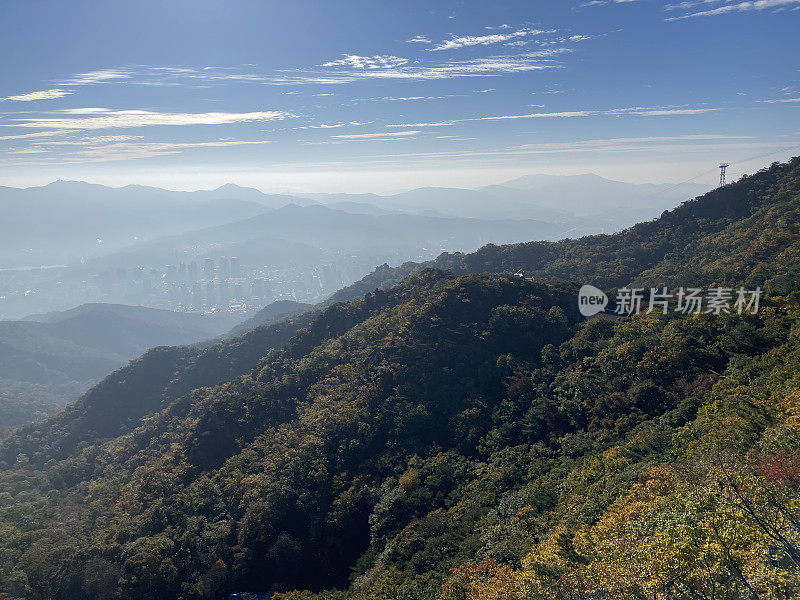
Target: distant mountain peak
{"type": "Point", "coordinates": [69, 183]}
{"type": "Point", "coordinates": [234, 187]}
{"type": "Point", "coordinates": [535, 180]}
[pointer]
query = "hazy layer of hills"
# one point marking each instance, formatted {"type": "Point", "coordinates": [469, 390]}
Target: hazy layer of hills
{"type": "Point", "coordinates": [588, 202]}
{"type": "Point", "coordinates": [303, 235]}
{"type": "Point", "coordinates": [71, 243]}
{"type": "Point", "coordinates": [65, 221]}
{"type": "Point", "coordinates": [454, 435]}
{"type": "Point", "coordinates": [744, 233]}
{"type": "Point", "coordinates": [49, 360]}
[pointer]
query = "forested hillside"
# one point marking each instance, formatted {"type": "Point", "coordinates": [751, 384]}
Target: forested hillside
{"type": "Point", "coordinates": [461, 435]}
{"type": "Point", "coordinates": [743, 233]}
{"type": "Point", "coordinates": [49, 360]}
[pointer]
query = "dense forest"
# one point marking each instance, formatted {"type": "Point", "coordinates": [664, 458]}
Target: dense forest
{"type": "Point", "coordinates": [449, 430]}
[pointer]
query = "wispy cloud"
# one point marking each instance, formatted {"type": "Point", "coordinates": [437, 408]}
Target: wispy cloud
{"type": "Point", "coordinates": [659, 111]}
{"type": "Point", "coordinates": [781, 100]}
{"type": "Point", "coordinates": [108, 119]}
{"type": "Point", "coordinates": [91, 140]}
{"type": "Point", "coordinates": [728, 7]}
{"type": "Point", "coordinates": [609, 143]}
{"type": "Point", "coordinates": [689, 4]}
{"type": "Point", "coordinates": [16, 151]}
{"type": "Point", "coordinates": [479, 67]}
{"type": "Point", "coordinates": [89, 110]}
{"type": "Point", "coordinates": [367, 62]}
{"type": "Point", "coordinates": [331, 125]}
{"type": "Point", "coordinates": [122, 148]}
{"type": "Point", "coordinates": [28, 136]}
{"type": "Point", "coordinates": [419, 39]}
{"type": "Point", "coordinates": [486, 40]}
{"type": "Point", "coordinates": [377, 136]}
{"type": "Point", "coordinates": [551, 115]}
{"type": "Point", "coordinates": [640, 111]}
{"type": "Point", "coordinates": [41, 95]}
{"type": "Point", "coordinates": [101, 76]}
{"type": "Point", "coordinates": [348, 68]}
{"type": "Point", "coordinates": [604, 2]}
{"type": "Point", "coordinates": [128, 151]}
{"type": "Point", "coordinates": [405, 98]}
{"type": "Point", "coordinates": [621, 145]}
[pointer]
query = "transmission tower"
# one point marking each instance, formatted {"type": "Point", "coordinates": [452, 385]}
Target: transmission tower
{"type": "Point", "coordinates": [722, 168]}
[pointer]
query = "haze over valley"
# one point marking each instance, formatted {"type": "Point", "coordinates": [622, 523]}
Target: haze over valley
{"type": "Point", "coordinates": [236, 249]}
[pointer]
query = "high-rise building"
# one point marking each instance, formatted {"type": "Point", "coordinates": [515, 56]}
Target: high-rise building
{"type": "Point", "coordinates": [224, 268]}
{"type": "Point", "coordinates": [192, 271]}
{"type": "Point", "coordinates": [185, 296]}
{"type": "Point", "coordinates": [223, 295]}
{"type": "Point", "coordinates": [208, 269]}
{"type": "Point", "coordinates": [261, 289]}
{"type": "Point", "coordinates": [211, 295]}
{"type": "Point", "coordinates": [197, 295]}
{"type": "Point", "coordinates": [236, 267]}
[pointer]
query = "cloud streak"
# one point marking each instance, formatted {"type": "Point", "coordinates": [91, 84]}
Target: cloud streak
{"type": "Point", "coordinates": [355, 61]}
{"type": "Point", "coordinates": [375, 67]}
{"type": "Point", "coordinates": [756, 5]}
{"type": "Point", "coordinates": [781, 100]}
{"type": "Point", "coordinates": [383, 136]}
{"type": "Point", "coordinates": [660, 111]}
{"type": "Point", "coordinates": [27, 136]}
{"type": "Point", "coordinates": [111, 119]}
{"type": "Point", "coordinates": [101, 76]}
{"type": "Point", "coordinates": [591, 3]}
{"type": "Point", "coordinates": [639, 111]}
{"type": "Point", "coordinates": [349, 68]}
{"type": "Point", "coordinates": [486, 40]}
{"type": "Point", "coordinates": [122, 148]}
{"type": "Point", "coordinates": [41, 95]}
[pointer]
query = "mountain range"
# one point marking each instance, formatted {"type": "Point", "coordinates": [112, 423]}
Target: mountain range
{"type": "Point", "coordinates": [452, 429]}
{"type": "Point", "coordinates": [579, 200]}
{"type": "Point", "coordinates": [71, 243]}
{"type": "Point", "coordinates": [56, 357]}
{"type": "Point", "coordinates": [65, 221]}
{"type": "Point", "coordinates": [305, 234]}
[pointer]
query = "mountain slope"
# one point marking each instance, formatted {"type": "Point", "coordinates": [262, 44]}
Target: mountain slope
{"type": "Point", "coordinates": [453, 436]}
{"type": "Point", "coordinates": [65, 353]}
{"type": "Point", "coordinates": [279, 310]}
{"type": "Point", "coordinates": [22, 403]}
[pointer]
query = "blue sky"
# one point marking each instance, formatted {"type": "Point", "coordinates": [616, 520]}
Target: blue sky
{"type": "Point", "coordinates": [379, 96]}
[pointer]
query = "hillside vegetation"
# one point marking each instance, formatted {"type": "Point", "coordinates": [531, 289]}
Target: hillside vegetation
{"type": "Point", "coordinates": [48, 361]}
{"type": "Point", "coordinates": [462, 434]}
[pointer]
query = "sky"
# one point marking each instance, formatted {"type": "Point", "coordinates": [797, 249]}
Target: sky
{"type": "Point", "coordinates": [375, 96]}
